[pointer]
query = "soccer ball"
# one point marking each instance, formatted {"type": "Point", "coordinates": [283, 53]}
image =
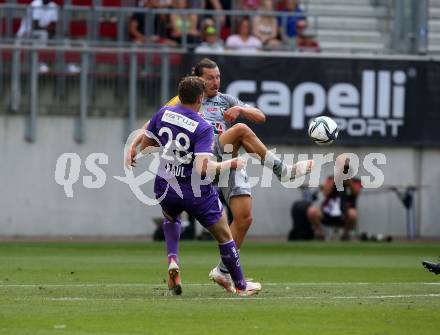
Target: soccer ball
{"type": "Point", "coordinates": [323, 130]}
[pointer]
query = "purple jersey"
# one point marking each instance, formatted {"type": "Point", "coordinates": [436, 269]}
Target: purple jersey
{"type": "Point", "coordinates": [182, 135]}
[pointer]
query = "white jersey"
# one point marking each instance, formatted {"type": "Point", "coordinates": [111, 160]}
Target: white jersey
{"type": "Point", "coordinates": [37, 11]}
{"type": "Point", "coordinates": [213, 110]}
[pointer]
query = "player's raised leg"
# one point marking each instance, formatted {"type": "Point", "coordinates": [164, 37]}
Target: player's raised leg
{"type": "Point", "coordinates": [240, 135]}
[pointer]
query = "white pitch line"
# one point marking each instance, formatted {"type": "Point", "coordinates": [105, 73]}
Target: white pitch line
{"type": "Point", "coordinates": [368, 297]}
{"type": "Point", "coordinates": [320, 297]}
{"type": "Point", "coordinates": [103, 285]}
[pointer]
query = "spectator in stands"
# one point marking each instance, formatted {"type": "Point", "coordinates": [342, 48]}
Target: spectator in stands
{"type": "Point", "coordinates": [244, 41]}
{"type": "Point", "coordinates": [265, 27]}
{"type": "Point", "coordinates": [250, 4]}
{"type": "Point", "coordinates": [216, 4]}
{"type": "Point", "coordinates": [39, 24]}
{"type": "Point", "coordinates": [305, 40]}
{"type": "Point", "coordinates": [196, 3]}
{"type": "Point", "coordinates": [338, 208]}
{"type": "Point", "coordinates": [211, 42]}
{"type": "Point", "coordinates": [161, 23]}
{"type": "Point", "coordinates": [289, 24]}
{"type": "Point", "coordinates": [181, 23]}
{"type": "Point", "coordinates": [219, 5]}
{"type": "Point", "coordinates": [40, 20]}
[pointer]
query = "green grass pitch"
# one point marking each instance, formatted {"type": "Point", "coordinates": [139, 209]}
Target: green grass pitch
{"type": "Point", "coordinates": [308, 288]}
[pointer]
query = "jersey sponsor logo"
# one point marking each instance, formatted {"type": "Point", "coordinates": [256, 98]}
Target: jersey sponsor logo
{"type": "Point", "coordinates": [180, 120]}
{"type": "Point", "coordinates": [212, 109]}
{"type": "Point", "coordinates": [218, 128]}
{"type": "Point", "coordinates": [215, 103]}
{"type": "Point", "coordinates": [375, 107]}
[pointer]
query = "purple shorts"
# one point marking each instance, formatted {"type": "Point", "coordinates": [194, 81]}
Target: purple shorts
{"type": "Point", "coordinates": [206, 209]}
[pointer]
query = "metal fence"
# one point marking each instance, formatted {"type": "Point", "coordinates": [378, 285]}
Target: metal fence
{"type": "Point", "coordinates": [404, 21]}
{"type": "Point", "coordinates": [97, 90]}
{"type": "Point", "coordinates": [109, 25]}
{"type": "Point", "coordinates": [115, 77]}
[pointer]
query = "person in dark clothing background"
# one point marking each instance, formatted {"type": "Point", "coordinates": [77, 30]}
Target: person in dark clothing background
{"type": "Point", "coordinates": [161, 25]}
{"type": "Point", "coordinates": [338, 208]}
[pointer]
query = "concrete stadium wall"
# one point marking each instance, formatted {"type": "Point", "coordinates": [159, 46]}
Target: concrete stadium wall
{"type": "Point", "coordinates": [32, 203]}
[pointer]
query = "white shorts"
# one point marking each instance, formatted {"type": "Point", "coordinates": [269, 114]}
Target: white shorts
{"type": "Point", "coordinates": [238, 183]}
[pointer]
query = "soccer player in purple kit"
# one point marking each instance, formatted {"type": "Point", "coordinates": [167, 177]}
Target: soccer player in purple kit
{"type": "Point", "coordinates": [186, 142]}
{"type": "Point", "coordinates": [222, 111]}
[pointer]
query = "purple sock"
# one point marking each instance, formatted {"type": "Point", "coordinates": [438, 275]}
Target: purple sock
{"type": "Point", "coordinates": [231, 259]}
{"type": "Point", "coordinates": [171, 231]}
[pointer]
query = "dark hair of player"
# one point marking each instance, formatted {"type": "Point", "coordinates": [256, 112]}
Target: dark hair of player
{"type": "Point", "coordinates": [205, 63]}
{"type": "Point", "coordinates": [190, 88]}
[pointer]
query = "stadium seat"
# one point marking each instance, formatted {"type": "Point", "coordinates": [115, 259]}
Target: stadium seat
{"type": "Point", "coordinates": [82, 2]}
{"type": "Point", "coordinates": [129, 3]}
{"type": "Point", "coordinates": [111, 3]}
{"type": "Point", "coordinates": [225, 32]}
{"type": "Point", "coordinates": [15, 25]}
{"type": "Point", "coordinates": [108, 30]}
{"type": "Point", "coordinates": [106, 58]}
{"type": "Point", "coordinates": [72, 57]}
{"type": "Point", "coordinates": [47, 56]}
{"type": "Point", "coordinates": [26, 2]}
{"type": "Point", "coordinates": [78, 29]}
{"type": "Point", "coordinates": [6, 55]}
{"type": "Point", "coordinates": [156, 60]}
{"type": "Point", "coordinates": [175, 60]}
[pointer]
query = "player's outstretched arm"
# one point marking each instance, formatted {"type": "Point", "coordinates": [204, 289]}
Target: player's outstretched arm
{"type": "Point", "coordinates": [132, 150]}
{"type": "Point", "coordinates": [252, 114]}
{"type": "Point", "coordinates": [147, 145]}
{"type": "Point", "coordinates": [205, 166]}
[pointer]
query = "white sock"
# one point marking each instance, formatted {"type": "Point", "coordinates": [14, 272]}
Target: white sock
{"type": "Point", "coordinates": [273, 162]}
{"type": "Point", "coordinates": [222, 267]}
